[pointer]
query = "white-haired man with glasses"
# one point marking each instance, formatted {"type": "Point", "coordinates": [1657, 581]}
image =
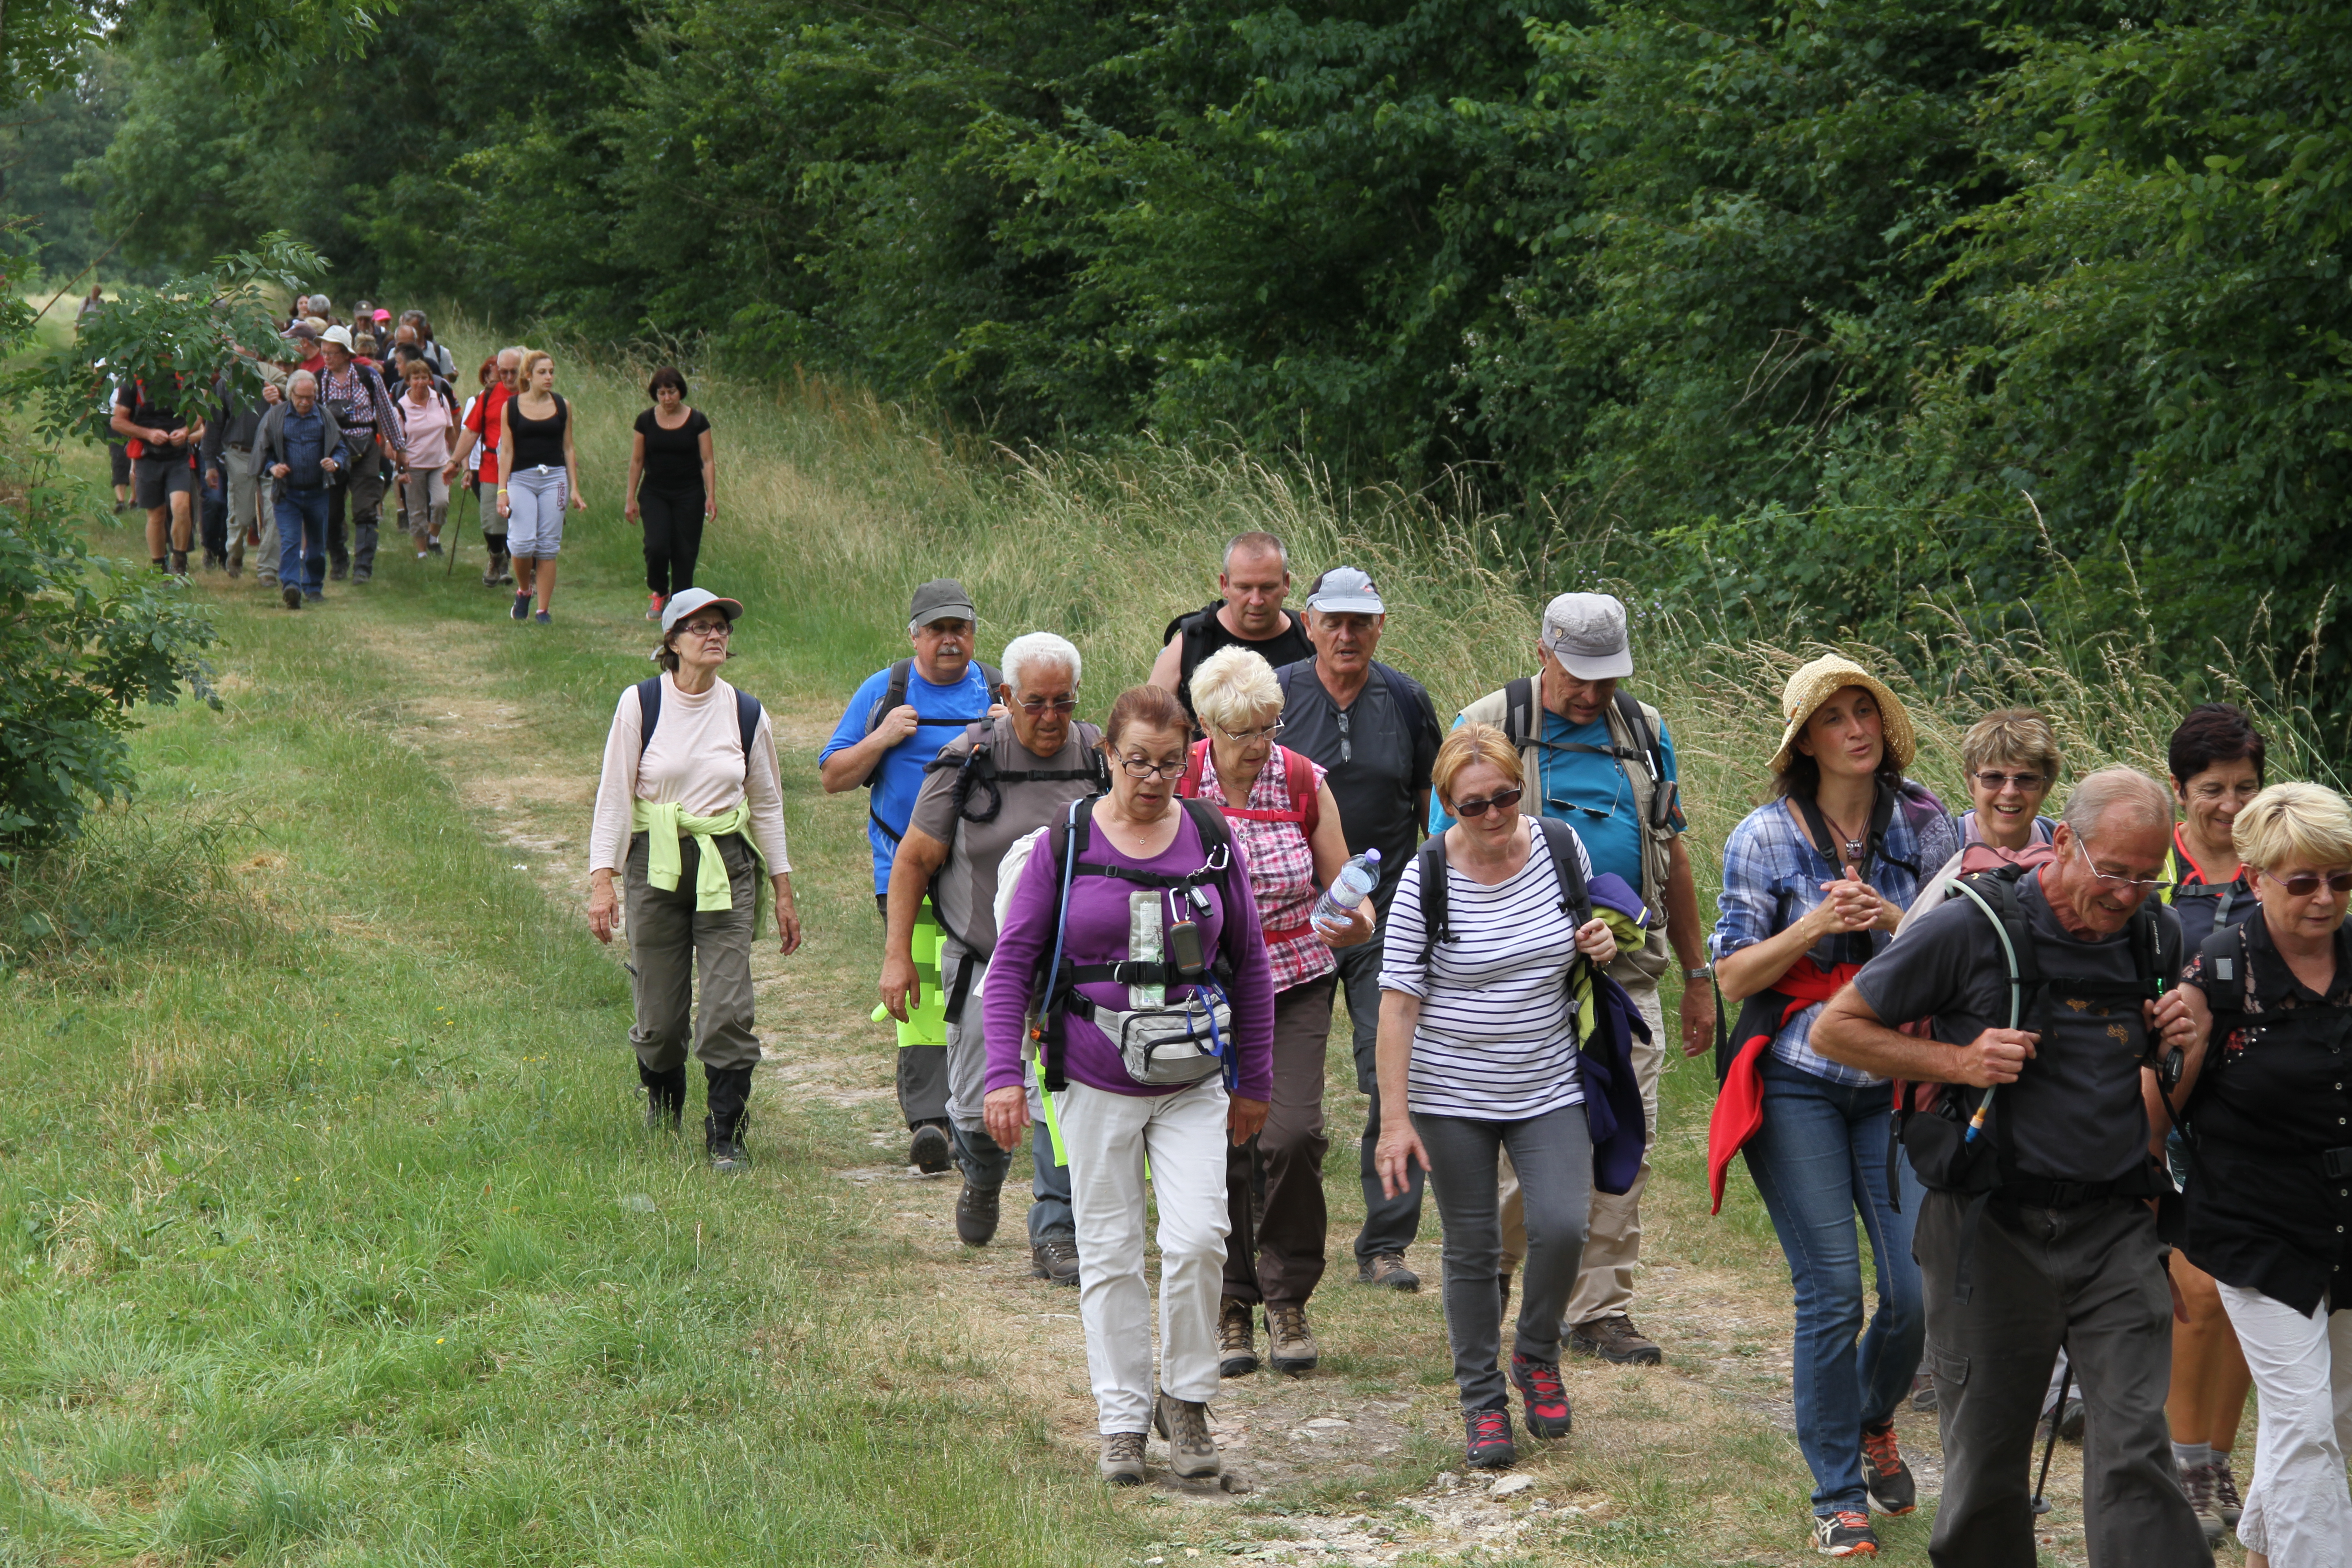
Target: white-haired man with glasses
{"type": "Point", "coordinates": [997, 781]}
{"type": "Point", "coordinates": [2055, 1021]}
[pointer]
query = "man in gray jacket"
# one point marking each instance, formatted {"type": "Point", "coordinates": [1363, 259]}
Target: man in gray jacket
{"type": "Point", "coordinates": [299, 445]}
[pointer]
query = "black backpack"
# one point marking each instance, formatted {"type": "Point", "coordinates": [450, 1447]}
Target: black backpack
{"type": "Point", "coordinates": [649, 705]}
{"type": "Point", "coordinates": [1575, 900]}
{"type": "Point", "coordinates": [1523, 727]}
{"type": "Point", "coordinates": [1053, 990]}
{"type": "Point", "coordinates": [1956, 1144]}
{"type": "Point", "coordinates": [976, 770]}
{"type": "Point", "coordinates": [894, 695]}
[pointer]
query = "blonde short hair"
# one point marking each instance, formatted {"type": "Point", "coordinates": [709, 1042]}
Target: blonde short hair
{"type": "Point", "coordinates": [1469, 745]}
{"type": "Point", "coordinates": [2294, 824]}
{"type": "Point", "coordinates": [2012, 736]}
{"type": "Point", "coordinates": [1233, 687]}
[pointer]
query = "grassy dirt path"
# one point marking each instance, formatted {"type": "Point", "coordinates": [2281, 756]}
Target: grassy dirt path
{"type": "Point", "coordinates": [801, 1364]}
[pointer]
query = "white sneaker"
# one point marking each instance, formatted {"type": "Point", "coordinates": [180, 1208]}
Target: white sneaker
{"type": "Point", "coordinates": [420, 555]}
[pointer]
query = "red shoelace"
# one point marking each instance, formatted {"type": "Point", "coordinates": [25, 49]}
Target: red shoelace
{"type": "Point", "coordinates": [1878, 1448]}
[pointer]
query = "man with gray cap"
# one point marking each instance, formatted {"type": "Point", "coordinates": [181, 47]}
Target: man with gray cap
{"type": "Point", "coordinates": [1375, 732]}
{"type": "Point", "coordinates": [1602, 761]}
{"type": "Point", "coordinates": [895, 725]}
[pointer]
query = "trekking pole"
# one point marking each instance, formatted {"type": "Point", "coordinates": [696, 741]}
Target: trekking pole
{"type": "Point", "coordinates": [2041, 1504]}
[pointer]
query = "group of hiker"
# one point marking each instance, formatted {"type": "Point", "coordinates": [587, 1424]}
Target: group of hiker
{"type": "Point", "coordinates": [351, 416]}
{"type": "Point", "coordinates": [2043, 1061]}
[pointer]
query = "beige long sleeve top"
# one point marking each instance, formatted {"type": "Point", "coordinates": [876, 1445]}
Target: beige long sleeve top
{"type": "Point", "coordinates": [696, 760]}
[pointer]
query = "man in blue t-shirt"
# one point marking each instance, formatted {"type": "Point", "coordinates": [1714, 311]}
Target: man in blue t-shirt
{"type": "Point", "coordinates": [1603, 763]}
{"type": "Point", "coordinates": [886, 746]}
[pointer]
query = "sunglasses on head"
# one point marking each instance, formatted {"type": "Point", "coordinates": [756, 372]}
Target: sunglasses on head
{"type": "Point", "coordinates": [2304, 884]}
{"type": "Point", "coordinates": [1471, 810]}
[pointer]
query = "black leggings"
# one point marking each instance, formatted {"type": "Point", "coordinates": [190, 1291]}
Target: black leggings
{"type": "Point", "coordinates": [673, 524]}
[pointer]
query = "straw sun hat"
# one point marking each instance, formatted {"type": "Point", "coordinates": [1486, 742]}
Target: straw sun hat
{"type": "Point", "coordinates": [1815, 683]}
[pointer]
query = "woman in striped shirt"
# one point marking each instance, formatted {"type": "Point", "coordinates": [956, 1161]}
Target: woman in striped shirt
{"type": "Point", "coordinates": [1283, 814]}
{"type": "Point", "coordinates": [1477, 1037]}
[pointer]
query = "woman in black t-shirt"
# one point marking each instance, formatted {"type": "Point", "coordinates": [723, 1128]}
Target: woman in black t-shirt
{"type": "Point", "coordinates": [679, 490]}
{"type": "Point", "coordinates": [2270, 1188]}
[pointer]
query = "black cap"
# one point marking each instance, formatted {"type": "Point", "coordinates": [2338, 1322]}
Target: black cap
{"type": "Point", "coordinates": [942, 598]}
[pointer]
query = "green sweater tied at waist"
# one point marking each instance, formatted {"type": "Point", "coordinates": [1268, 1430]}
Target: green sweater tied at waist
{"type": "Point", "coordinates": [661, 822]}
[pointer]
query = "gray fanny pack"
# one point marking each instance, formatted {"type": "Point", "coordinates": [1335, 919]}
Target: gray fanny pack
{"type": "Point", "coordinates": [1163, 1047]}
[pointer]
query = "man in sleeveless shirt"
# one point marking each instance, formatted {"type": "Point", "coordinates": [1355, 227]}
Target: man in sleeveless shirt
{"type": "Point", "coordinates": [1248, 614]}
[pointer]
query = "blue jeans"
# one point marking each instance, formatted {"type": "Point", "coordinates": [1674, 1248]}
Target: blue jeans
{"type": "Point", "coordinates": [302, 537]}
{"type": "Point", "coordinates": [1818, 1161]}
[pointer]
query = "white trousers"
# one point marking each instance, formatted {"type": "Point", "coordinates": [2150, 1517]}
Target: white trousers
{"type": "Point", "coordinates": [2298, 1507]}
{"type": "Point", "coordinates": [1108, 1138]}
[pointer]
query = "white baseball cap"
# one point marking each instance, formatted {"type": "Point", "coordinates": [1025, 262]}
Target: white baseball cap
{"type": "Point", "coordinates": [1346, 591]}
{"type": "Point", "coordinates": [682, 605]}
{"type": "Point", "coordinates": [1586, 633]}
{"type": "Point", "coordinates": [339, 336]}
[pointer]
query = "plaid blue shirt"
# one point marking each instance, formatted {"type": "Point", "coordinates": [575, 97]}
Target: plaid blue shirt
{"type": "Point", "coordinates": [1771, 876]}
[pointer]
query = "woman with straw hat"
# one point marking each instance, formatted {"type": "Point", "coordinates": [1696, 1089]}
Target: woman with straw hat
{"type": "Point", "coordinates": [1814, 882]}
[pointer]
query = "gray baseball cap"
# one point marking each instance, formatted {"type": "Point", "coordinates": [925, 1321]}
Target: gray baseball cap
{"type": "Point", "coordinates": [942, 598]}
{"type": "Point", "coordinates": [1586, 633]}
{"type": "Point", "coordinates": [1345, 591]}
{"type": "Point", "coordinates": [681, 605]}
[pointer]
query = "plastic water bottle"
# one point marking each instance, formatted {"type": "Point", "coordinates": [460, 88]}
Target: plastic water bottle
{"type": "Point", "coordinates": [1352, 887]}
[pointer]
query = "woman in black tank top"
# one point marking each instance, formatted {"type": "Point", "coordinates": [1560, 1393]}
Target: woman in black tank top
{"type": "Point", "coordinates": [538, 477]}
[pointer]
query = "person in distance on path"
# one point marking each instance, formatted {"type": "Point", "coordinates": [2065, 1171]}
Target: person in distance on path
{"type": "Point", "coordinates": [1608, 771]}
{"type": "Point", "coordinates": [1814, 884]}
{"type": "Point", "coordinates": [2270, 1189]}
{"type": "Point", "coordinates": [539, 478]}
{"type": "Point", "coordinates": [1287, 824]}
{"type": "Point", "coordinates": [1247, 612]}
{"type": "Point", "coordinates": [163, 470]}
{"type": "Point", "coordinates": [485, 422]}
{"type": "Point", "coordinates": [2037, 1229]}
{"type": "Point", "coordinates": [887, 747]}
{"type": "Point", "coordinates": [673, 486]}
{"type": "Point", "coordinates": [300, 447]}
{"type": "Point", "coordinates": [689, 813]}
{"type": "Point", "coordinates": [354, 390]}
{"type": "Point", "coordinates": [1374, 732]}
{"type": "Point", "coordinates": [987, 789]}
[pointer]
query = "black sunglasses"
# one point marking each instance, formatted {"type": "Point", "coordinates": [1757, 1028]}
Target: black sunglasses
{"type": "Point", "coordinates": [1471, 810]}
{"type": "Point", "coordinates": [2307, 883]}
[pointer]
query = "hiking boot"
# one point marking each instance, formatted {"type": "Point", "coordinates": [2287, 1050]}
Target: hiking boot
{"type": "Point", "coordinates": [2070, 1422]}
{"type": "Point", "coordinates": [1844, 1535]}
{"type": "Point", "coordinates": [521, 611]}
{"type": "Point", "coordinates": [2197, 1481]}
{"type": "Point", "coordinates": [722, 1129]}
{"type": "Point", "coordinates": [434, 548]}
{"type": "Point", "coordinates": [1237, 1338]}
{"type": "Point", "coordinates": [976, 1214]}
{"type": "Point", "coordinates": [179, 563]}
{"type": "Point", "coordinates": [364, 575]}
{"type": "Point", "coordinates": [928, 1152]}
{"type": "Point", "coordinates": [1923, 1394]}
{"type": "Point", "coordinates": [292, 595]}
{"type": "Point", "coordinates": [1386, 1270]}
{"type": "Point", "coordinates": [1056, 1259]}
{"type": "Point", "coordinates": [1884, 1473]}
{"type": "Point", "coordinates": [1486, 1441]}
{"type": "Point", "coordinates": [1122, 1458]}
{"type": "Point", "coordinates": [664, 1098]}
{"type": "Point", "coordinates": [1290, 1343]}
{"type": "Point", "coordinates": [1546, 1396]}
{"type": "Point", "coordinates": [490, 572]}
{"type": "Point", "coordinates": [2225, 1491]}
{"type": "Point", "coordinates": [1184, 1422]}
{"type": "Point", "coordinates": [341, 572]}
{"type": "Point", "coordinates": [1614, 1339]}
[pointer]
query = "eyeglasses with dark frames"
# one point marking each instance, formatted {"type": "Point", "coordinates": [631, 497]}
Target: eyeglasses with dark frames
{"type": "Point", "coordinates": [1145, 768]}
{"type": "Point", "coordinates": [2028, 783]}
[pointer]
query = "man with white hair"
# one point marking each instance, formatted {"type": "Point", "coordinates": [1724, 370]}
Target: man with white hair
{"type": "Point", "coordinates": [989, 787]}
{"type": "Point", "coordinates": [301, 447]}
{"type": "Point", "coordinates": [2055, 1022]}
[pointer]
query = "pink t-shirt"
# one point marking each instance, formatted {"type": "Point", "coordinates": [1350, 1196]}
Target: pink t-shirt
{"type": "Point", "coordinates": [430, 428]}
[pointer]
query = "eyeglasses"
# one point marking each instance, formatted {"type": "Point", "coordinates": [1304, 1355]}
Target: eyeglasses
{"type": "Point", "coordinates": [1145, 768]}
{"type": "Point", "coordinates": [716, 629]}
{"type": "Point", "coordinates": [2121, 884]}
{"type": "Point", "coordinates": [1250, 737]}
{"type": "Point", "coordinates": [1035, 705]}
{"type": "Point", "coordinates": [1472, 810]}
{"type": "Point", "coordinates": [2305, 883]}
{"type": "Point", "coordinates": [2027, 782]}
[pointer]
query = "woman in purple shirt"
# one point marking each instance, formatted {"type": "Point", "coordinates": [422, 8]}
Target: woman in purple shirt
{"type": "Point", "coordinates": [1144, 870]}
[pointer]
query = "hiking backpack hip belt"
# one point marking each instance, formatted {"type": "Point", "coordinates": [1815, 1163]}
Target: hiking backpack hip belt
{"type": "Point", "coordinates": [1164, 1047]}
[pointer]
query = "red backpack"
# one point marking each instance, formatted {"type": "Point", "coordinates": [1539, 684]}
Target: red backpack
{"type": "Point", "coordinates": [1298, 777]}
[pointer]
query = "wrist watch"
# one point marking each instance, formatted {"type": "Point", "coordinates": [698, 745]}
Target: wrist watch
{"type": "Point", "coordinates": [1703, 972]}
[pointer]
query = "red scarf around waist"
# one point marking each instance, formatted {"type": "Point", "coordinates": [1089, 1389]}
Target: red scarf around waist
{"type": "Point", "coordinates": [1739, 1100]}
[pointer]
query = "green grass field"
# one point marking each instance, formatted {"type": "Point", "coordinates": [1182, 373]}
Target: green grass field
{"type": "Point", "coordinates": [327, 1231]}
